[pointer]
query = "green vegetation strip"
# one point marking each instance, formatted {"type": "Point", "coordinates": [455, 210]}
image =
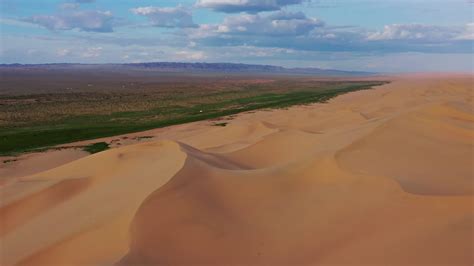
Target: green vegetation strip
{"type": "Point", "coordinates": [220, 124]}
{"type": "Point", "coordinates": [96, 147]}
{"type": "Point", "coordinates": [16, 140]}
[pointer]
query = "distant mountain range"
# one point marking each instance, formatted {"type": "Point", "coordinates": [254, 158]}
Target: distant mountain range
{"type": "Point", "coordinates": [201, 67]}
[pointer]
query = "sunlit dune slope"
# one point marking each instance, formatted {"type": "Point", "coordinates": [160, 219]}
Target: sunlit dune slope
{"type": "Point", "coordinates": [81, 212]}
{"type": "Point", "coordinates": [377, 177]}
{"type": "Point", "coordinates": [428, 151]}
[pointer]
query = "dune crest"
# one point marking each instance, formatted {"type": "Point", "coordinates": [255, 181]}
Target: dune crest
{"type": "Point", "coordinates": [83, 205]}
{"type": "Point", "coordinates": [376, 177]}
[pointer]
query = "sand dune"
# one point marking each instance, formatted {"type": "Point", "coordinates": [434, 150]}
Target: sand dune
{"type": "Point", "coordinates": [73, 207]}
{"type": "Point", "coordinates": [417, 150]}
{"type": "Point", "coordinates": [378, 177]}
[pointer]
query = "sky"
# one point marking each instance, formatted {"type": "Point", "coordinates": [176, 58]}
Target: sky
{"type": "Point", "coordinates": [363, 35]}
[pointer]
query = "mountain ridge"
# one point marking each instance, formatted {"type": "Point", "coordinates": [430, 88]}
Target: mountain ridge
{"type": "Point", "coordinates": [203, 67]}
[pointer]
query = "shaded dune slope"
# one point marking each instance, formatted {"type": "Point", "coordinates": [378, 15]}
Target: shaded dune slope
{"type": "Point", "coordinates": [380, 177]}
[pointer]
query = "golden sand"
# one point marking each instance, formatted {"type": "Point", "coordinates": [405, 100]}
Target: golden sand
{"type": "Point", "coordinates": [377, 177]}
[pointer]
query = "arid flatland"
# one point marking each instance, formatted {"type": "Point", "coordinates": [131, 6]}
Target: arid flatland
{"type": "Point", "coordinates": [40, 108]}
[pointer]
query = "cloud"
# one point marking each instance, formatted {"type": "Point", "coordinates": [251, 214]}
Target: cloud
{"type": "Point", "coordinates": [256, 53]}
{"type": "Point", "coordinates": [168, 17]}
{"type": "Point", "coordinates": [84, 20]}
{"type": "Point", "coordinates": [63, 52]}
{"type": "Point", "coordinates": [296, 31]}
{"type": "Point", "coordinates": [18, 23]}
{"type": "Point", "coordinates": [422, 38]}
{"type": "Point", "coordinates": [92, 52]}
{"type": "Point", "coordinates": [250, 6]}
{"type": "Point", "coordinates": [281, 23]}
{"type": "Point", "coordinates": [85, 1]}
{"type": "Point", "coordinates": [467, 34]}
{"type": "Point", "coordinates": [191, 55]}
{"type": "Point", "coordinates": [69, 6]}
{"type": "Point", "coordinates": [412, 32]}
{"type": "Point", "coordinates": [280, 29]}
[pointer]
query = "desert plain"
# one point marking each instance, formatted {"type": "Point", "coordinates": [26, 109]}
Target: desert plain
{"type": "Point", "coordinates": [373, 177]}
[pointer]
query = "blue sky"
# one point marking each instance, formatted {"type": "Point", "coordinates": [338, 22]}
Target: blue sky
{"type": "Point", "coordinates": [370, 35]}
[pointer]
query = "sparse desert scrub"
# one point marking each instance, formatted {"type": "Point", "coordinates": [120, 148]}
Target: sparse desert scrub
{"type": "Point", "coordinates": [32, 118]}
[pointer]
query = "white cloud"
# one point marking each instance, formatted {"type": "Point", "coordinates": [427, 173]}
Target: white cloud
{"type": "Point", "coordinates": [275, 24]}
{"type": "Point", "coordinates": [84, 20]}
{"type": "Point", "coordinates": [69, 6]}
{"type": "Point", "coordinates": [63, 52]}
{"type": "Point", "coordinates": [413, 32]}
{"type": "Point", "coordinates": [250, 6]}
{"type": "Point", "coordinates": [467, 34]}
{"type": "Point", "coordinates": [92, 52]}
{"type": "Point", "coordinates": [191, 55]}
{"type": "Point", "coordinates": [168, 17]}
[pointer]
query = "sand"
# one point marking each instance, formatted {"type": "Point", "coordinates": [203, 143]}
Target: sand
{"type": "Point", "coordinates": [32, 163]}
{"type": "Point", "coordinates": [377, 177]}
